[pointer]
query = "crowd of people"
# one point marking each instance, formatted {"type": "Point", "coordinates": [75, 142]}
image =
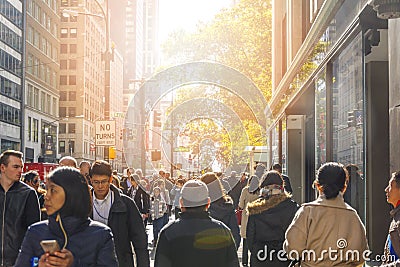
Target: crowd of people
{"type": "Point", "coordinates": [92, 216]}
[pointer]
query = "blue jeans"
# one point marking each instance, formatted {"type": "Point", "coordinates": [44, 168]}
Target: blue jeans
{"type": "Point", "coordinates": [157, 226]}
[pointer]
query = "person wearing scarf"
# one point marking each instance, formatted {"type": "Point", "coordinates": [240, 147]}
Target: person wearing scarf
{"type": "Point", "coordinates": [82, 242]}
{"type": "Point", "coordinates": [269, 217]}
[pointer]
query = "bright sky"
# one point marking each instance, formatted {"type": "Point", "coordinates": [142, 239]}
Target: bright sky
{"type": "Point", "coordinates": [178, 14]}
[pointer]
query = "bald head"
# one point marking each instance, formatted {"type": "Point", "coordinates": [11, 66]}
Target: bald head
{"type": "Point", "coordinates": [68, 161]}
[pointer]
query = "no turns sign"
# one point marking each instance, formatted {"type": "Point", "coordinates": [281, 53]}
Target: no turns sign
{"type": "Point", "coordinates": [105, 133]}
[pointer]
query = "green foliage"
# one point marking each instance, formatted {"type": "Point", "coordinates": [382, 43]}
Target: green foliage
{"type": "Point", "coordinates": [239, 37]}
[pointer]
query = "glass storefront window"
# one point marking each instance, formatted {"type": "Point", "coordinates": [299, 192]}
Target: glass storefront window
{"type": "Point", "coordinates": [348, 119]}
{"type": "Point", "coordinates": [320, 120]}
{"type": "Point", "coordinates": [275, 145]}
{"type": "Point", "coordinates": [284, 146]}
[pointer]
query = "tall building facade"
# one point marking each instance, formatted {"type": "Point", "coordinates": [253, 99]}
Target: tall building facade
{"type": "Point", "coordinates": [41, 80]}
{"type": "Point", "coordinates": [336, 98]}
{"type": "Point", "coordinates": [82, 78]}
{"type": "Point", "coordinates": [11, 74]}
{"type": "Point", "coordinates": [138, 44]}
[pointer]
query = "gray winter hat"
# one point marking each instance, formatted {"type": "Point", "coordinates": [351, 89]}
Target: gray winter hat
{"type": "Point", "coordinates": [194, 193]}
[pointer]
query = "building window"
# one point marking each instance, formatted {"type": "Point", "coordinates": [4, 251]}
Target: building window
{"type": "Point", "coordinates": [72, 96]}
{"type": "Point", "coordinates": [43, 101]}
{"type": "Point", "coordinates": [63, 79]}
{"type": "Point", "coordinates": [63, 96]}
{"type": "Point", "coordinates": [64, 33]}
{"type": "Point", "coordinates": [63, 112]}
{"type": "Point", "coordinates": [71, 146]}
{"type": "Point", "coordinates": [35, 128]}
{"type": "Point", "coordinates": [29, 129]}
{"type": "Point", "coordinates": [71, 111]}
{"type": "Point", "coordinates": [63, 64]}
{"type": "Point", "coordinates": [72, 64]}
{"type": "Point", "coordinates": [54, 107]}
{"type": "Point", "coordinates": [29, 101]}
{"type": "Point", "coordinates": [36, 98]}
{"type": "Point", "coordinates": [72, 48]}
{"type": "Point", "coordinates": [64, 48]}
{"type": "Point", "coordinates": [61, 146]}
{"type": "Point", "coordinates": [71, 127]}
{"type": "Point", "coordinates": [62, 128]}
{"type": "Point", "coordinates": [72, 80]}
{"type": "Point", "coordinates": [73, 33]}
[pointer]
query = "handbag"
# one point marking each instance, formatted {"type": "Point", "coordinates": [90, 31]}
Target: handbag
{"type": "Point", "coordinates": [238, 213]}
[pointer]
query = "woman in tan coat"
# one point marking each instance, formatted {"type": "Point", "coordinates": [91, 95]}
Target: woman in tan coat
{"type": "Point", "coordinates": [327, 231]}
{"type": "Point", "coordinates": [249, 194]}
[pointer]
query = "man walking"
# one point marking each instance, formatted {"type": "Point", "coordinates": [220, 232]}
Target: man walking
{"type": "Point", "coordinates": [19, 206]}
{"type": "Point", "coordinates": [195, 239]}
{"type": "Point", "coordinates": [122, 215]}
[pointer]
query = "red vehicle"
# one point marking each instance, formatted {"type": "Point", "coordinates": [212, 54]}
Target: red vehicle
{"type": "Point", "coordinates": [43, 168]}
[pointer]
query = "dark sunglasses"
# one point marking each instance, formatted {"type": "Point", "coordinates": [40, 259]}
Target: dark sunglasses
{"type": "Point", "coordinates": [35, 181]}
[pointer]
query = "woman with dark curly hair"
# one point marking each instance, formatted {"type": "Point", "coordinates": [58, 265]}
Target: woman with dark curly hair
{"type": "Point", "coordinates": [82, 242]}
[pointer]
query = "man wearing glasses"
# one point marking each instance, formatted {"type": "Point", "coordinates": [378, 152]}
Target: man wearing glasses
{"type": "Point", "coordinates": [121, 214]}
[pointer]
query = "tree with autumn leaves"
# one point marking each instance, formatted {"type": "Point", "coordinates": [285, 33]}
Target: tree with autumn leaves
{"type": "Point", "coordinates": [238, 37]}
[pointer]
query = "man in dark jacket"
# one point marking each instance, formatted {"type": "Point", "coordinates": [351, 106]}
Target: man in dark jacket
{"type": "Point", "coordinates": [120, 212]}
{"type": "Point", "coordinates": [195, 239]}
{"type": "Point", "coordinates": [19, 206]}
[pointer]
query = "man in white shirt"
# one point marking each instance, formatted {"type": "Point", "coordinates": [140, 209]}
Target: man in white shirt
{"type": "Point", "coordinates": [119, 212]}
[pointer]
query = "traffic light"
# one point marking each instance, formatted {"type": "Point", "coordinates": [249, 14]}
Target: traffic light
{"type": "Point", "coordinates": [156, 118]}
{"type": "Point", "coordinates": [111, 152]}
{"type": "Point", "coordinates": [155, 155]}
{"type": "Point", "coordinates": [351, 119]}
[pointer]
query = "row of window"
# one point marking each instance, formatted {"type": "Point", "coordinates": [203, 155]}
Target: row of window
{"type": "Point", "coordinates": [41, 43]}
{"type": "Point", "coordinates": [10, 88]}
{"type": "Point", "coordinates": [10, 37]}
{"type": "Point", "coordinates": [70, 149]}
{"type": "Point", "coordinates": [67, 80]}
{"type": "Point", "coordinates": [41, 100]}
{"type": "Point", "coordinates": [10, 63]}
{"type": "Point", "coordinates": [67, 96]}
{"type": "Point", "coordinates": [42, 71]}
{"type": "Point", "coordinates": [62, 128]}
{"type": "Point", "coordinates": [69, 3]}
{"type": "Point", "coordinates": [73, 33]}
{"type": "Point", "coordinates": [8, 144]}
{"type": "Point", "coordinates": [71, 112]}
{"type": "Point", "coordinates": [10, 12]}
{"type": "Point", "coordinates": [42, 17]}
{"type": "Point", "coordinates": [68, 64]}
{"type": "Point", "coordinates": [64, 48]}
{"type": "Point", "coordinates": [10, 114]}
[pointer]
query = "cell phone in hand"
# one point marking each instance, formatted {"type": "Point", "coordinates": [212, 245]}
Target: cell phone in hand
{"type": "Point", "coordinates": [50, 246]}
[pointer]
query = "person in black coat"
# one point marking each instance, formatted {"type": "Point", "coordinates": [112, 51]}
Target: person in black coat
{"type": "Point", "coordinates": [269, 217]}
{"type": "Point", "coordinates": [81, 241]}
{"type": "Point", "coordinates": [120, 212]}
{"type": "Point", "coordinates": [140, 196]}
{"type": "Point", "coordinates": [195, 239]}
{"type": "Point", "coordinates": [221, 207]}
{"type": "Point", "coordinates": [19, 206]}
